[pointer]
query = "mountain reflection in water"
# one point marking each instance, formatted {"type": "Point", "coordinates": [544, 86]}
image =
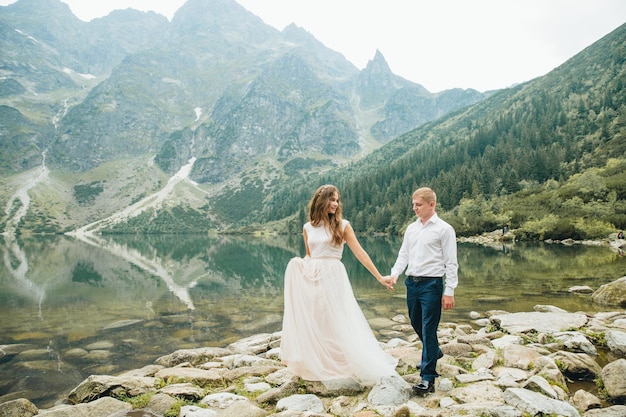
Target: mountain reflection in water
{"type": "Point", "coordinates": [105, 304]}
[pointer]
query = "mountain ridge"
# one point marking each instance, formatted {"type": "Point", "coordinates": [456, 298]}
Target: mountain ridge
{"type": "Point", "coordinates": [256, 108]}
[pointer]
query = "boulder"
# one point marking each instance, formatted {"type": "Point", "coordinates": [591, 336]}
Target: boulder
{"type": "Point", "coordinates": [550, 322]}
{"type": "Point", "coordinates": [613, 293]}
{"type": "Point", "coordinates": [193, 356]}
{"type": "Point", "coordinates": [535, 404]}
{"type": "Point", "coordinates": [577, 366]}
{"type": "Point", "coordinates": [102, 407]}
{"type": "Point", "coordinates": [614, 381]}
{"type": "Point", "coordinates": [616, 342]}
{"type": "Point", "coordinates": [18, 408]}
{"type": "Point", "coordinates": [97, 386]}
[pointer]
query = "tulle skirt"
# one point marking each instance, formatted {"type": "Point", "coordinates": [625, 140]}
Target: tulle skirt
{"type": "Point", "coordinates": [325, 335]}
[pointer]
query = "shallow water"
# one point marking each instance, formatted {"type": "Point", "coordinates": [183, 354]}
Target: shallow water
{"type": "Point", "coordinates": [113, 303]}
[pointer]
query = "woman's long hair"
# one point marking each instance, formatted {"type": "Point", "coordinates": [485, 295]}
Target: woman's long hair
{"type": "Point", "coordinates": [318, 212]}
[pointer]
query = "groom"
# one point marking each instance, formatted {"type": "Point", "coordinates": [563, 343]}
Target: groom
{"type": "Point", "coordinates": [428, 253]}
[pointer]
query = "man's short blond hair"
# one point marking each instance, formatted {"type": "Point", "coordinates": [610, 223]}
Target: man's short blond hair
{"type": "Point", "coordinates": [426, 193]}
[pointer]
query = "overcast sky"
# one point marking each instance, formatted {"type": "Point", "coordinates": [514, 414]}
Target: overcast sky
{"type": "Point", "coordinates": [440, 44]}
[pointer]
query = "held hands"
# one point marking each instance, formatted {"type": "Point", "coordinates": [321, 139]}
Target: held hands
{"type": "Point", "coordinates": [388, 282]}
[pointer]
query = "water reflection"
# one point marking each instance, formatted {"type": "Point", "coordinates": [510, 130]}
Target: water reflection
{"type": "Point", "coordinates": [104, 304]}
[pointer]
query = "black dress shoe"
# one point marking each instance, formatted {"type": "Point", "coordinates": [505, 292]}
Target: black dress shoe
{"type": "Point", "coordinates": [424, 387]}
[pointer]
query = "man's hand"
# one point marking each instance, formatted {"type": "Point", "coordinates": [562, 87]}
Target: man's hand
{"type": "Point", "coordinates": [447, 301]}
{"type": "Point", "coordinates": [388, 282]}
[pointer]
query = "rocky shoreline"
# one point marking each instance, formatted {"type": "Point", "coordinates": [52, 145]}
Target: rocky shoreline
{"type": "Point", "coordinates": [506, 365]}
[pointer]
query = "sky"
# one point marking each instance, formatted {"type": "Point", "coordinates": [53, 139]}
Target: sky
{"type": "Point", "coordinates": [440, 44]}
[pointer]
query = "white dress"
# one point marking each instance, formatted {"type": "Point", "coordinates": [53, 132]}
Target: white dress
{"type": "Point", "coordinates": [325, 335]}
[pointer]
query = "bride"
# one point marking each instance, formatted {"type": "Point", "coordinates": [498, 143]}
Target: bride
{"type": "Point", "coordinates": [325, 335]}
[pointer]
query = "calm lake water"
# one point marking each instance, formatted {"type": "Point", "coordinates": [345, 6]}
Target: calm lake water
{"type": "Point", "coordinates": [76, 307]}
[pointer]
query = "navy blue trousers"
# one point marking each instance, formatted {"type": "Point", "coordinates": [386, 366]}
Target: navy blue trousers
{"type": "Point", "coordinates": [424, 303]}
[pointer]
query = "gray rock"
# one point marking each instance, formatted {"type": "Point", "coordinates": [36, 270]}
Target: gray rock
{"type": "Point", "coordinates": [482, 322]}
{"type": "Point", "coordinates": [254, 344]}
{"type": "Point", "coordinates": [237, 361]}
{"type": "Point", "coordinates": [486, 360]}
{"type": "Point", "coordinates": [509, 377]}
{"type": "Point", "coordinates": [447, 402]}
{"type": "Point", "coordinates": [13, 349]}
{"type": "Point", "coordinates": [148, 370]}
{"type": "Point", "coordinates": [505, 411]}
{"type": "Point", "coordinates": [580, 289]}
{"type": "Point", "coordinates": [519, 356]}
{"type": "Point", "coordinates": [102, 407]}
{"type": "Point", "coordinates": [548, 309]}
{"type": "Point", "coordinates": [613, 411]}
{"type": "Point", "coordinates": [474, 409]}
{"type": "Point", "coordinates": [577, 366]}
{"type": "Point", "coordinates": [101, 345]}
{"type": "Point", "coordinates": [482, 374]}
{"type": "Point", "coordinates": [473, 339]}
{"type": "Point", "coordinates": [390, 391]}
{"type": "Point", "coordinates": [536, 404]}
{"type": "Point", "coordinates": [235, 374]}
{"type": "Point", "coordinates": [539, 384]}
{"type": "Point", "coordinates": [160, 403]}
{"type": "Point", "coordinates": [272, 396]}
{"type": "Point", "coordinates": [193, 356]}
{"type": "Point", "coordinates": [445, 385]}
{"type": "Point", "coordinates": [18, 408]}
{"type": "Point", "coordinates": [506, 340]}
{"type": "Point", "coordinates": [614, 380]}
{"type": "Point", "coordinates": [280, 377]}
{"type": "Point", "coordinates": [187, 391]}
{"type": "Point", "coordinates": [301, 402]}
{"type": "Point", "coordinates": [222, 400]}
{"type": "Point", "coordinates": [334, 388]}
{"type": "Point", "coordinates": [34, 354]}
{"type": "Point", "coordinates": [98, 356]}
{"type": "Point", "coordinates": [122, 324]}
{"type": "Point", "coordinates": [195, 411]}
{"type": "Point", "coordinates": [96, 386]}
{"type": "Point", "coordinates": [200, 377]}
{"type": "Point", "coordinates": [479, 392]}
{"type": "Point", "coordinates": [457, 349]}
{"type": "Point", "coordinates": [584, 400]}
{"type": "Point", "coordinates": [613, 293]}
{"type": "Point", "coordinates": [516, 323]}
{"type": "Point", "coordinates": [616, 341]}
{"type": "Point", "coordinates": [243, 408]}
{"type": "Point", "coordinates": [257, 386]}
{"type": "Point", "coordinates": [75, 353]}
{"type": "Point", "coordinates": [343, 406]}
{"type": "Point", "coordinates": [547, 368]}
{"type": "Point", "coordinates": [576, 342]}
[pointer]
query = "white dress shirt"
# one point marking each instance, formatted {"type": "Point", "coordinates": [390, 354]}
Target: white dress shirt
{"type": "Point", "coordinates": [429, 250]}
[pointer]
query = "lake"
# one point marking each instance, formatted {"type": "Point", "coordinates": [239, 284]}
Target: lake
{"type": "Point", "coordinates": [106, 304]}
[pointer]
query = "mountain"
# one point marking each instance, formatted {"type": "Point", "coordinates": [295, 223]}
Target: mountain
{"type": "Point", "coordinates": [546, 157]}
{"type": "Point", "coordinates": [246, 103]}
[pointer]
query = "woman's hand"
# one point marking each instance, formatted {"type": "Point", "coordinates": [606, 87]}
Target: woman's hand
{"type": "Point", "coordinates": [387, 281]}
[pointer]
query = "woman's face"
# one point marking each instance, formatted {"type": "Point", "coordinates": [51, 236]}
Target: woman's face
{"type": "Point", "coordinates": [333, 203]}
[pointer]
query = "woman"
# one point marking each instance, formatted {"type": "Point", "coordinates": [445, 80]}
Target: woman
{"type": "Point", "coordinates": [325, 334]}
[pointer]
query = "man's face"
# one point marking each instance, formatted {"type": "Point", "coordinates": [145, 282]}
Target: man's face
{"type": "Point", "coordinates": [422, 208]}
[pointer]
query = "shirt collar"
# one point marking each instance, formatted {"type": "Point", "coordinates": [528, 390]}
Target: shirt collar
{"type": "Point", "coordinates": [433, 219]}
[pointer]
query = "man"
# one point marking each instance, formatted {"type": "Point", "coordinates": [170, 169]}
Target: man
{"type": "Point", "coordinates": [428, 253]}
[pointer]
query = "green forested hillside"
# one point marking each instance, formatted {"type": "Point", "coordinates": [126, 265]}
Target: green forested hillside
{"type": "Point", "coordinates": [547, 157]}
